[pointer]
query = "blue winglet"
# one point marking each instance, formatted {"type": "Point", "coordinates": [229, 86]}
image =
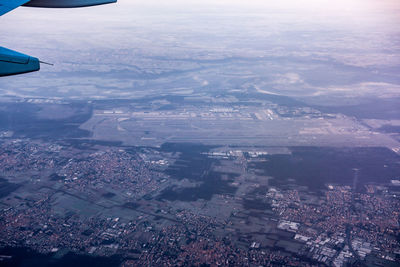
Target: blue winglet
{"type": "Point", "coordinates": [12, 62]}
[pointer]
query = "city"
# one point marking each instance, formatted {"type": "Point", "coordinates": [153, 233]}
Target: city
{"type": "Point", "coordinates": [185, 203]}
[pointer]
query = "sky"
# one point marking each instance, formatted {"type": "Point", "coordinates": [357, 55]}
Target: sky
{"type": "Point", "coordinates": [19, 27]}
{"type": "Point", "coordinates": [384, 10]}
{"type": "Point", "coordinates": [126, 13]}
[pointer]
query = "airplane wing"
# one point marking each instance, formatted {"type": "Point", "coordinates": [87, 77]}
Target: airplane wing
{"type": "Point", "coordinates": [8, 5]}
{"type": "Point", "coordinates": [12, 62]}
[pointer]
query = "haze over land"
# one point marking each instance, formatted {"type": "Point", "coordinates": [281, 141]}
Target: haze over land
{"type": "Point", "coordinates": [298, 48]}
